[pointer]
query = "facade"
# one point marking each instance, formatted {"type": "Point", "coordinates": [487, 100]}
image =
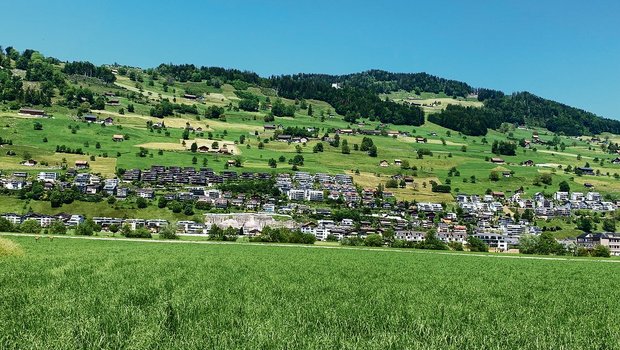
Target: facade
{"type": "Point", "coordinates": [610, 240]}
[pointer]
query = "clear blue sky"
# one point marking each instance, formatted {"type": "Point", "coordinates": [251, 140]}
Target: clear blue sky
{"type": "Point", "coordinates": [564, 50]}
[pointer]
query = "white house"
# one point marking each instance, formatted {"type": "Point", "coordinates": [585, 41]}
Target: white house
{"type": "Point", "coordinates": [313, 195]}
{"type": "Point", "coordinates": [47, 176]}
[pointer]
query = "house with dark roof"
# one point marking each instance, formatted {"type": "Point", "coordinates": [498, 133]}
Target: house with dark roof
{"type": "Point", "coordinates": [30, 111]}
{"type": "Point", "coordinates": [284, 138]}
{"type": "Point", "coordinates": [113, 102]}
{"type": "Point", "coordinates": [606, 239]}
{"type": "Point", "coordinates": [90, 118]}
{"type": "Point", "coordinates": [586, 171]}
{"type": "Point", "coordinates": [81, 164]}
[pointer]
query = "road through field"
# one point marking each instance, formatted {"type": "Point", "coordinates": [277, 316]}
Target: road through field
{"type": "Point", "coordinates": [391, 250]}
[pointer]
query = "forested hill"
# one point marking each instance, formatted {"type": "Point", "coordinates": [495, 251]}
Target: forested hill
{"type": "Point", "coordinates": [354, 96]}
{"type": "Point", "coordinates": [523, 108]}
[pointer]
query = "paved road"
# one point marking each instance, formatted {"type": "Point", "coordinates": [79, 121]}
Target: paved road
{"type": "Point", "coordinates": [389, 250]}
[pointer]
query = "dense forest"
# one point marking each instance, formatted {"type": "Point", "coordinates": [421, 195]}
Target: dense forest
{"type": "Point", "coordinates": [522, 108]}
{"type": "Point", "coordinates": [90, 70]}
{"type": "Point", "coordinates": [350, 101]}
{"type": "Point", "coordinates": [353, 95]}
{"type": "Point", "coordinates": [379, 81]}
{"type": "Point", "coordinates": [354, 101]}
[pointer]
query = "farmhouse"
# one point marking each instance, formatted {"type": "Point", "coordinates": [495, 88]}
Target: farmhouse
{"type": "Point", "coordinates": [616, 161]}
{"type": "Point", "coordinates": [497, 160]}
{"type": "Point", "coordinates": [586, 171]}
{"type": "Point", "coordinates": [224, 150]}
{"type": "Point", "coordinates": [109, 94]}
{"type": "Point", "coordinates": [345, 131]}
{"type": "Point", "coordinates": [384, 163]}
{"type": "Point", "coordinates": [528, 162]}
{"type": "Point", "coordinates": [398, 162]}
{"type": "Point", "coordinates": [113, 102]}
{"type": "Point", "coordinates": [90, 118]}
{"type": "Point", "coordinates": [118, 138]}
{"type": "Point", "coordinates": [269, 127]}
{"type": "Point", "coordinates": [285, 138]}
{"type": "Point", "coordinates": [299, 140]}
{"type": "Point", "coordinates": [498, 194]}
{"type": "Point", "coordinates": [203, 149]}
{"type": "Point", "coordinates": [190, 97]}
{"type": "Point", "coordinates": [109, 121]}
{"type": "Point", "coordinates": [29, 162]}
{"type": "Point", "coordinates": [420, 140]}
{"type": "Point", "coordinates": [29, 111]}
{"type": "Point", "coordinates": [81, 164]}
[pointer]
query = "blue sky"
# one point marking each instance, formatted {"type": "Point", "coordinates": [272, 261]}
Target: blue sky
{"type": "Point", "coordinates": [564, 50]}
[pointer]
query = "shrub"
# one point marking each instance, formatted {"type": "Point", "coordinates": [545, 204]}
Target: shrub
{"type": "Point", "coordinates": [601, 251]}
{"type": "Point", "coordinates": [373, 240]}
{"type": "Point", "coordinates": [475, 244]}
{"type": "Point", "coordinates": [168, 232]}
{"type": "Point", "coordinates": [141, 203]}
{"type": "Point", "coordinates": [30, 226]}
{"type": "Point", "coordinates": [140, 232]}
{"type": "Point", "coordinates": [57, 228]}
{"type": "Point", "coordinates": [6, 225]}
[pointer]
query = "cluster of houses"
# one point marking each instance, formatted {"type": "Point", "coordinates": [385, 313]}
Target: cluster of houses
{"type": "Point", "coordinates": [91, 118]}
{"type": "Point", "coordinates": [372, 132]}
{"type": "Point", "coordinates": [564, 203]}
{"type": "Point", "coordinates": [486, 215]}
{"type": "Point", "coordinates": [161, 175]}
{"type": "Point", "coordinates": [70, 220]}
{"type": "Point", "coordinates": [303, 186]}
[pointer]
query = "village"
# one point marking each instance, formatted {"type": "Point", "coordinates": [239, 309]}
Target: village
{"type": "Point", "coordinates": [312, 204]}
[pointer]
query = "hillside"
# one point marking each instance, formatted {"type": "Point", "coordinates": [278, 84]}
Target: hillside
{"type": "Point", "coordinates": [161, 112]}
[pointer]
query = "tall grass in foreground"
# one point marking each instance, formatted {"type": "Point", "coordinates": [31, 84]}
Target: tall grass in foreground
{"type": "Point", "coordinates": [69, 294]}
{"type": "Point", "coordinates": [9, 248]}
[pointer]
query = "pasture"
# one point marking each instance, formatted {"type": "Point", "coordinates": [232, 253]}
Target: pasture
{"type": "Point", "coordinates": [73, 293]}
{"type": "Point", "coordinates": [469, 155]}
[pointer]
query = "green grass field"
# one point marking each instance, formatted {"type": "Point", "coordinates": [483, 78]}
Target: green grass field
{"type": "Point", "coordinates": [72, 293]}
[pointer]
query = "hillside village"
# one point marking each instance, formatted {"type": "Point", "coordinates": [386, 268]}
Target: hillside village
{"type": "Point", "coordinates": [178, 144]}
{"type": "Point", "coordinates": [312, 204]}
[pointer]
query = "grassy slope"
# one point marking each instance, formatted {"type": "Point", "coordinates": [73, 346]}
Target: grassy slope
{"type": "Point", "coordinates": [85, 294]}
{"type": "Point", "coordinates": [470, 163]}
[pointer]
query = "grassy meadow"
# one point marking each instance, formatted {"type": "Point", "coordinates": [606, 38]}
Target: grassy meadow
{"type": "Point", "coordinates": [74, 293]}
{"type": "Point", "coordinates": [450, 149]}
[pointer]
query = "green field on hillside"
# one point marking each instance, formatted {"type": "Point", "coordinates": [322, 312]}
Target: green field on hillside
{"type": "Point", "coordinates": [73, 293]}
{"type": "Point", "coordinates": [472, 162]}
{"type": "Point", "coordinates": [450, 149]}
